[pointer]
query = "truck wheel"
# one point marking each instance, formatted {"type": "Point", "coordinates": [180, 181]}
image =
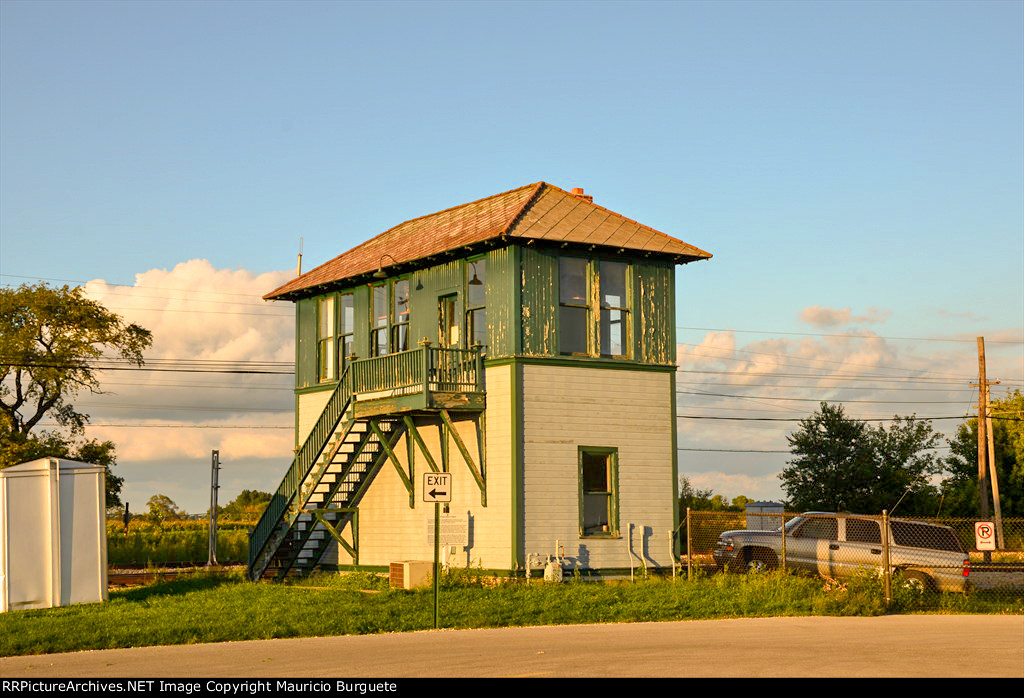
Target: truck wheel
{"type": "Point", "coordinates": [918, 582]}
{"type": "Point", "coordinates": [760, 560]}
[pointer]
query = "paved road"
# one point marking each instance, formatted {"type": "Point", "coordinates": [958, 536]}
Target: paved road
{"type": "Point", "coordinates": [926, 646]}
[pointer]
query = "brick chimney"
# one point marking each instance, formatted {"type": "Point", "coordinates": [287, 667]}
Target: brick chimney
{"type": "Point", "coordinates": [578, 193]}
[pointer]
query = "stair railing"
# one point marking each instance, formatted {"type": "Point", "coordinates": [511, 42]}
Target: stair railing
{"type": "Point", "coordinates": [305, 459]}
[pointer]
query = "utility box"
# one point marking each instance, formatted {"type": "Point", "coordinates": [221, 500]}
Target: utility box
{"type": "Point", "coordinates": [764, 516]}
{"type": "Point", "coordinates": [53, 537]}
{"type": "Point", "coordinates": [410, 574]}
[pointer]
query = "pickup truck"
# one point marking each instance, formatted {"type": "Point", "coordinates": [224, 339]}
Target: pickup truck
{"type": "Point", "coordinates": [928, 555]}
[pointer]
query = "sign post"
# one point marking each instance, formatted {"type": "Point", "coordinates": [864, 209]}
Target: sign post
{"type": "Point", "coordinates": [437, 488]}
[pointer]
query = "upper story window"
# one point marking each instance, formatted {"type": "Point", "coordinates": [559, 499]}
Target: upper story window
{"type": "Point", "coordinates": [573, 305]}
{"type": "Point", "coordinates": [476, 301]}
{"type": "Point", "coordinates": [582, 284]}
{"type": "Point", "coordinates": [378, 320]}
{"type": "Point", "coordinates": [346, 338]}
{"type": "Point", "coordinates": [400, 328]}
{"type": "Point", "coordinates": [614, 335]}
{"type": "Point", "coordinates": [389, 317]}
{"type": "Point", "coordinates": [325, 361]}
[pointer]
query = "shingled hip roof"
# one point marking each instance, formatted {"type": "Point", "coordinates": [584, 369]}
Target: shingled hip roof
{"type": "Point", "coordinates": [538, 211]}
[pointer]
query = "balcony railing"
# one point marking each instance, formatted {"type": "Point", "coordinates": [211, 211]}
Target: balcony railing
{"type": "Point", "coordinates": [423, 370]}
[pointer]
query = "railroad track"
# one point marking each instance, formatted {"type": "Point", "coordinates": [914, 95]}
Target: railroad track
{"type": "Point", "coordinates": [141, 576]}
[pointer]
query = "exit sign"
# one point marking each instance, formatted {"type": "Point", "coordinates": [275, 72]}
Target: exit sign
{"type": "Point", "coordinates": [437, 487]}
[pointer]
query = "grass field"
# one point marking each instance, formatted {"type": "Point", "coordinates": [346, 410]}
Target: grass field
{"type": "Point", "coordinates": [201, 607]}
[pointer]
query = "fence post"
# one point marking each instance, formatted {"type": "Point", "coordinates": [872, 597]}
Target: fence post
{"type": "Point", "coordinates": [782, 530]}
{"type": "Point", "coordinates": [886, 570]}
{"type": "Point", "coordinates": [672, 552]}
{"type": "Point", "coordinates": [689, 554]}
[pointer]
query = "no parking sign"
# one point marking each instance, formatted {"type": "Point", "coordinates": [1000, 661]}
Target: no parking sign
{"type": "Point", "coordinates": [984, 535]}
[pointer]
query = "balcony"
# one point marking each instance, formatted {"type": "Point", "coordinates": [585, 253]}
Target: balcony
{"type": "Point", "coordinates": [428, 378]}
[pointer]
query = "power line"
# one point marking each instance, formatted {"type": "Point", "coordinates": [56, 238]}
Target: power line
{"type": "Point", "coordinates": [776, 355]}
{"type": "Point", "coordinates": [202, 312]}
{"type": "Point", "coordinates": [851, 336]}
{"type": "Point", "coordinates": [808, 386]}
{"type": "Point", "coordinates": [197, 408]}
{"type": "Point", "coordinates": [180, 426]}
{"type": "Point", "coordinates": [111, 283]}
{"type": "Point", "coordinates": [811, 399]}
{"type": "Point", "coordinates": [860, 419]}
{"type": "Point", "coordinates": [833, 376]}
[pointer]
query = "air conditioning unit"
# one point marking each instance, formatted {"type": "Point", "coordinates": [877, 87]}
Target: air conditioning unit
{"type": "Point", "coordinates": [410, 574]}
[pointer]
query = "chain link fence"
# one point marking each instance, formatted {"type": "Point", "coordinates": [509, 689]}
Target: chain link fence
{"type": "Point", "coordinates": [919, 556]}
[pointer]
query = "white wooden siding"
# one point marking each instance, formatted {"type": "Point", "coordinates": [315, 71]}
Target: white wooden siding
{"type": "Point", "coordinates": [565, 407]}
{"type": "Point", "coordinates": [391, 531]}
{"type": "Point", "coordinates": [309, 407]}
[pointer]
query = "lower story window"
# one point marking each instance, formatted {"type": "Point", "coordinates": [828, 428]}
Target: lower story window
{"type": "Point", "coordinates": [599, 477]}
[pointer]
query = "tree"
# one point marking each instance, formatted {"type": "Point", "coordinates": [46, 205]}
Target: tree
{"type": "Point", "coordinates": [162, 508]}
{"type": "Point", "coordinates": [249, 504]}
{"type": "Point", "coordinates": [15, 448]}
{"type": "Point", "coordinates": [740, 503]}
{"type": "Point", "coordinates": [707, 500]}
{"type": "Point", "coordinates": [843, 464]}
{"type": "Point", "coordinates": [50, 339]}
{"type": "Point", "coordinates": [960, 489]}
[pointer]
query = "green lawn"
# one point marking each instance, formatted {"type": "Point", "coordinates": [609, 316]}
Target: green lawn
{"type": "Point", "coordinates": [207, 608]}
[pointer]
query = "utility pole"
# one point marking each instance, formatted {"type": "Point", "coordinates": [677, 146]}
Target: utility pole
{"type": "Point", "coordinates": [982, 430]}
{"type": "Point", "coordinates": [993, 470]}
{"type": "Point", "coordinates": [215, 467]}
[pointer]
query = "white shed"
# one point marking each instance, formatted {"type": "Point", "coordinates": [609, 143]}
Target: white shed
{"type": "Point", "coordinates": [53, 542]}
{"type": "Point", "coordinates": [764, 516]}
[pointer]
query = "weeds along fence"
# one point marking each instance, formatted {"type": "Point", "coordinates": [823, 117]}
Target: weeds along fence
{"type": "Point", "coordinates": [925, 555]}
{"type": "Point", "coordinates": [182, 542]}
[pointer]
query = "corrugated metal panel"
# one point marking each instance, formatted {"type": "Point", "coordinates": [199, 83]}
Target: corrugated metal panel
{"type": "Point", "coordinates": [655, 322]}
{"type": "Point", "coordinates": [502, 310]}
{"type": "Point", "coordinates": [539, 283]}
{"type": "Point", "coordinates": [305, 343]}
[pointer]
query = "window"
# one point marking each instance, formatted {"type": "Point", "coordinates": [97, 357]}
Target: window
{"type": "Point", "coordinates": [573, 308]}
{"type": "Point", "coordinates": [863, 531]}
{"type": "Point", "coordinates": [346, 340]}
{"type": "Point", "coordinates": [614, 309]}
{"type": "Point", "coordinates": [599, 477]}
{"type": "Point", "coordinates": [400, 328]}
{"type": "Point", "coordinates": [819, 527]}
{"type": "Point", "coordinates": [919, 535]}
{"type": "Point", "coordinates": [325, 339]}
{"type": "Point", "coordinates": [476, 302]}
{"type": "Point", "coordinates": [579, 281]}
{"type": "Point", "coordinates": [378, 320]}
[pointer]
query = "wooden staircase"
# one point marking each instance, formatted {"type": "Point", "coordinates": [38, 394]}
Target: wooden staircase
{"type": "Point", "coordinates": [346, 448]}
{"type": "Point", "coordinates": [330, 495]}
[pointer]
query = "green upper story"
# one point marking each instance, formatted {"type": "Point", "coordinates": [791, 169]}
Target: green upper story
{"type": "Point", "coordinates": [547, 285]}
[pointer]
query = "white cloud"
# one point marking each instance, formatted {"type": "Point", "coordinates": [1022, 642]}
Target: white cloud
{"type": "Point", "coordinates": [732, 485]}
{"type": "Point", "coordinates": [822, 317]}
{"type": "Point", "coordinates": [196, 311]}
{"type": "Point", "coordinates": [729, 394]}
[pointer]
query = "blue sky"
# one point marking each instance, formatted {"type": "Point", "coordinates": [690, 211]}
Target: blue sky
{"type": "Point", "coordinates": [857, 156]}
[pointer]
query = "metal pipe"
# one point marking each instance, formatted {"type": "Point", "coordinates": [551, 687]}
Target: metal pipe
{"type": "Point", "coordinates": [629, 548]}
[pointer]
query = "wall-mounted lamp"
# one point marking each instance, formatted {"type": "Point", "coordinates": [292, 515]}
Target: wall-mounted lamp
{"type": "Point", "coordinates": [475, 281]}
{"type": "Point", "coordinates": [379, 274]}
